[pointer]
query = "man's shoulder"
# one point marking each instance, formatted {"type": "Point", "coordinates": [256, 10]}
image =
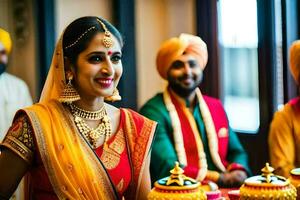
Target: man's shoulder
{"type": "Point", "coordinates": [156, 100]}
{"type": "Point", "coordinates": [154, 107]}
{"type": "Point", "coordinates": [12, 79]}
{"type": "Point", "coordinates": [289, 110]}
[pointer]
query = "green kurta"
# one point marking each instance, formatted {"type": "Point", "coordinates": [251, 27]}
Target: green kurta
{"type": "Point", "coordinates": [163, 151]}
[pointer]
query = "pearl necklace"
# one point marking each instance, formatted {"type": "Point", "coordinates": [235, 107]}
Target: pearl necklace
{"type": "Point", "coordinates": [92, 135]}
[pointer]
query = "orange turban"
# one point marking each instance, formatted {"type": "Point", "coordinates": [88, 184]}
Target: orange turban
{"type": "Point", "coordinates": [5, 40]}
{"type": "Point", "coordinates": [295, 60]}
{"type": "Point", "coordinates": [173, 48]}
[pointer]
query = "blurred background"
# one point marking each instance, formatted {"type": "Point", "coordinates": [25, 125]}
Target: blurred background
{"type": "Point", "coordinates": [247, 43]}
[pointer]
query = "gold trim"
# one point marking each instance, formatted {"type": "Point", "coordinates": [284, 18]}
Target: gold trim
{"type": "Point", "coordinates": [195, 194]}
{"type": "Point", "coordinates": [100, 172]}
{"type": "Point", "coordinates": [177, 188]}
{"type": "Point", "coordinates": [67, 117]}
{"type": "Point", "coordinates": [43, 152]}
{"type": "Point", "coordinates": [138, 159]}
{"type": "Point", "coordinates": [149, 126]}
{"type": "Point", "coordinates": [111, 155]}
{"type": "Point", "coordinates": [19, 148]}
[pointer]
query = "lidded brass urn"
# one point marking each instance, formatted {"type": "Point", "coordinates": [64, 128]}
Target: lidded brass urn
{"type": "Point", "coordinates": [267, 186]}
{"type": "Point", "coordinates": [177, 187]}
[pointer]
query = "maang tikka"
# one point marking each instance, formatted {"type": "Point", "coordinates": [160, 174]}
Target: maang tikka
{"type": "Point", "coordinates": [69, 94]}
{"type": "Point", "coordinates": [108, 42]}
{"type": "Point", "coordinates": [107, 39]}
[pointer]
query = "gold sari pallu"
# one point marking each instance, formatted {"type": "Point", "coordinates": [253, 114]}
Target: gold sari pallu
{"type": "Point", "coordinates": [74, 170]}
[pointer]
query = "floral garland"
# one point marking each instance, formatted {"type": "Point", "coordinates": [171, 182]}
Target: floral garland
{"type": "Point", "coordinates": [210, 130]}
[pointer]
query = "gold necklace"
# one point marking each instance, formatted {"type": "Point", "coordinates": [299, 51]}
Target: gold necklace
{"type": "Point", "coordinates": [85, 114]}
{"type": "Point", "coordinates": [92, 135]}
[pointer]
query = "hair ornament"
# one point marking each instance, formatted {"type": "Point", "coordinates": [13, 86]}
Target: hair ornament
{"type": "Point", "coordinates": [81, 36]}
{"type": "Point", "coordinates": [107, 39]}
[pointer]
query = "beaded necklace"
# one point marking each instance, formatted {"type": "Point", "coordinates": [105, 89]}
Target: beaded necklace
{"type": "Point", "coordinates": [92, 135]}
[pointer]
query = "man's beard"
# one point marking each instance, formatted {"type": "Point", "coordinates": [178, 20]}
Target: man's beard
{"type": "Point", "coordinates": [2, 68]}
{"type": "Point", "coordinates": [181, 90]}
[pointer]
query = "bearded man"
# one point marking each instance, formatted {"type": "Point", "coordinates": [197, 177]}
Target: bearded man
{"type": "Point", "coordinates": [14, 93]}
{"type": "Point", "coordinates": [192, 128]}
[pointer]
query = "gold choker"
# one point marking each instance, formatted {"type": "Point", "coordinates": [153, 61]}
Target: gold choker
{"type": "Point", "coordinates": [92, 135]}
{"type": "Point", "coordinates": [85, 114]}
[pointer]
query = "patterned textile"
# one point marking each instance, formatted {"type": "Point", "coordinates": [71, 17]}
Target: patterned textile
{"type": "Point", "coordinates": [164, 154]}
{"type": "Point", "coordinates": [134, 130]}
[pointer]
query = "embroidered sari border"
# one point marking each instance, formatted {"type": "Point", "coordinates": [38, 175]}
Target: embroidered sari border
{"type": "Point", "coordinates": [18, 147]}
{"type": "Point", "coordinates": [149, 127]}
{"type": "Point", "coordinates": [139, 150]}
{"type": "Point", "coordinates": [37, 130]}
{"type": "Point", "coordinates": [97, 164]}
{"type": "Point", "coordinates": [98, 170]}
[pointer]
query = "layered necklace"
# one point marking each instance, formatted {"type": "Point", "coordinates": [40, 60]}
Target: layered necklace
{"type": "Point", "coordinates": [92, 135]}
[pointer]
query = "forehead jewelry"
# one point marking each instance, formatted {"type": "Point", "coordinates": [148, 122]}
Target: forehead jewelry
{"type": "Point", "coordinates": [109, 53]}
{"type": "Point", "coordinates": [81, 36]}
{"type": "Point", "coordinates": [107, 39]}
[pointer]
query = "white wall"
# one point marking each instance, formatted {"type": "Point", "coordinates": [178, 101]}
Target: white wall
{"type": "Point", "coordinates": [69, 10]}
{"type": "Point", "coordinates": [157, 21]}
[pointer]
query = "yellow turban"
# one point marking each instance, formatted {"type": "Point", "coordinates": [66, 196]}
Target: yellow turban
{"type": "Point", "coordinates": [295, 60]}
{"type": "Point", "coordinates": [173, 48]}
{"type": "Point", "coordinates": [5, 40]}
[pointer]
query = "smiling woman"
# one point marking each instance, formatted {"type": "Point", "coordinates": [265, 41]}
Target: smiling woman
{"type": "Point", "coordinates": [72, 143]}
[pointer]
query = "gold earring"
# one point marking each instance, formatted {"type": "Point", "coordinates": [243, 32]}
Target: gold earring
{"type": "Point", "coordinates": [69, 94]}
{"type": "Point", "coordinates": [114, 97]}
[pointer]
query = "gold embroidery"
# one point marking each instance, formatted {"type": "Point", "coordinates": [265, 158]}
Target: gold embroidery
{"type": "Point", "coordinates": [22, 130]}
{"type": "Point", "coordinates": [139, 144]}
{"type": "Point", "coordinates": [118, 144]}
{"type": "Point", "coordinates": [101, 183]}
{"type": "Point", "coordinates": [120, 185]}
{"type": "Point", "coordinates": [19, 139]}
{"type": "Point", "coordinates": [111, 155]}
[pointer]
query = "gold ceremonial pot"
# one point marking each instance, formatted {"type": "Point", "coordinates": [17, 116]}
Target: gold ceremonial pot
{"type": "Point", "coordinates": [177, 187]}
{"type": "Point", "coordinates": [295, 180]}
{"type": "Point", "coordinates": [268, 187]}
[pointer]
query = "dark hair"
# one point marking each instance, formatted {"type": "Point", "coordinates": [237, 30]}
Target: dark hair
{"type": "Point", "coordinates": [81, 31]}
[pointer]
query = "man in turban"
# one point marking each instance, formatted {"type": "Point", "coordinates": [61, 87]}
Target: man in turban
{"type": "Point", "coordinates": [14, 94]}
{"type": "Point", "coordinates": [284, 134]}
{"type": "Point", "coordinates": [192, 128]}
